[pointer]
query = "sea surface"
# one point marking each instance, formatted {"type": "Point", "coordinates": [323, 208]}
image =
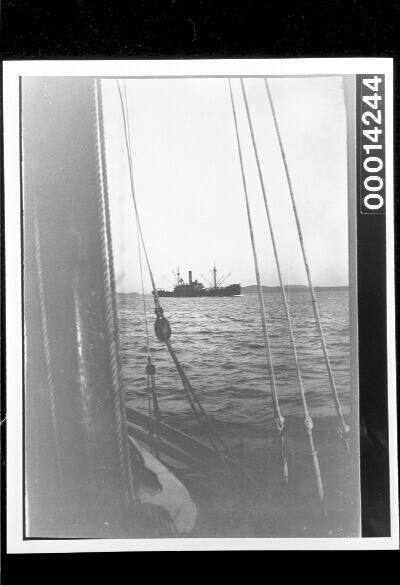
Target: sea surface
{"type": "Point", "coordinates": [219, 342]}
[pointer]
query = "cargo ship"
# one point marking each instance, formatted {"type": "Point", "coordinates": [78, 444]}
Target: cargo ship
{"type": "Point", "coordinates": [194, 288]}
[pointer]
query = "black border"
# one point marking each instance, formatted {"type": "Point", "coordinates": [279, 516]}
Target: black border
{"type": "Point", "coordinates": [201, 29]}
{"type": "Point", "coordinates": [3, 405]}
{"type": "Point", "coordinates": [145, 30]}
{"type": "Point", "coordinates": [372, 347]}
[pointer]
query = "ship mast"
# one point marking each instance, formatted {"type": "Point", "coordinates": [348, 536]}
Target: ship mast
{"type": "Point", "coordinates": [215, 276]}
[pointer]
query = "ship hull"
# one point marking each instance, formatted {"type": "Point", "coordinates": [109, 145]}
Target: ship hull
{"type": "Point", "coordinates": [226, 291]}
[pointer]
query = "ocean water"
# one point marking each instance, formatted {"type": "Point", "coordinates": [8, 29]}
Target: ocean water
{"type": "Point", "coordinates": [219, 342]}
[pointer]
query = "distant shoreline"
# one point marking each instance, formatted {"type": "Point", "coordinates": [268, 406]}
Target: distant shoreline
{"type": "Point", "coordinates": [291, 288]}
{"type": "Point", "coordinates": [253, 289]}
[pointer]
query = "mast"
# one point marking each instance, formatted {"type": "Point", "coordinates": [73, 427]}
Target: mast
{"type": "Point", "coordinates": [215, 276]}
{"type": "Point", "coordinates": [68, 376]}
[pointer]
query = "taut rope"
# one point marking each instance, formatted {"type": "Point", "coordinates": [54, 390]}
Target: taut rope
{"type": "Point", "coordinates": [111, 313]}
{"type": "Point", "coordinates": [344, 429]}
{"type": "Point", "coordinates": [154, 408]}
{"type": "Point", "coordinates": [162, 326]}
{"type": "Point", "coordinates": [125, 116]}
{"type": "Point", "coordinates": [279, 419]}
{"type": "Point", "coordinates": [307, 417]}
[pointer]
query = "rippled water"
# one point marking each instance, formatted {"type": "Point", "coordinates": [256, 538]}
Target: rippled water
{"type": "Point", "coordinates": [220, 344]}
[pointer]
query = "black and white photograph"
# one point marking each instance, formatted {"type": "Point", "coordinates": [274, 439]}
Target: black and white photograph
{"type": "Point", "coordinates": [185, 275]}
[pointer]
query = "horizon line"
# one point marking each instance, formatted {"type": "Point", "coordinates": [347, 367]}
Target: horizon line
{"type": "Point", "coordinates": [317, 286]}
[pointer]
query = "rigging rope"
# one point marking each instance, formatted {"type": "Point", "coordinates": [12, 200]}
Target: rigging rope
{"type": "Point", "coordinates": [46, 348]}
{"type": "Point", "coordinates": [150, 368]}
{"type": "Point", "coordinates": [307, 417]}
{"type": "Point", "coordinates": [162, 326]}
{"type": "Point", "coordinates": [142, 292]}
{"type": "Point", "coordinates": [279, 419]}
{"type": "Point", "coordinates": [344, 429]}
{"type": "Point", "coordinates": [125, 115]}
{"type": "Point", "coordinates": [111, 312]}
{"type": "Point", "coordinates": [152, 395]}
{"type": "Point", "coordinates": [202, 417]}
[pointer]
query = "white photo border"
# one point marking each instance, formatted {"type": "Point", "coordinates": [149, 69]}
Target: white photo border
{"type": "Point", "coordinates": [12, 71]}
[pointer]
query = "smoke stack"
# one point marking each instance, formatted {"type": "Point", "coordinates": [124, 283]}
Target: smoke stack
{"type": "Point", "coordinates": [190, 277]}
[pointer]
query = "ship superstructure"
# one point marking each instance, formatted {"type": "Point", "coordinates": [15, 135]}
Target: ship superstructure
{"type": "Point", "coordinates": [194, 288]}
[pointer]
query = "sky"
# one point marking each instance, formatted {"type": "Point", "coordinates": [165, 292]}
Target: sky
{"type": "Point", "coordinates": [189, 188]}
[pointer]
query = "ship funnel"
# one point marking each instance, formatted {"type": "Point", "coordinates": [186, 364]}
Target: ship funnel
{"type": "Point", "coordinates": [190, 277]}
